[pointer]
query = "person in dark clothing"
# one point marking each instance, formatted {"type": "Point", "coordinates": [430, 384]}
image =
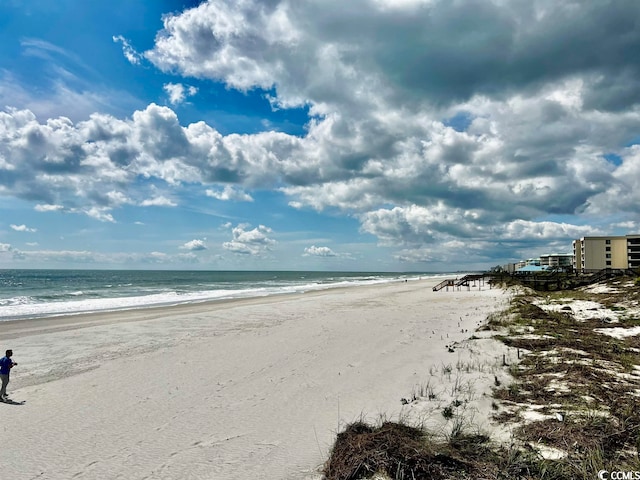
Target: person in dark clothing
{"type": "Point", "coordinates": [6, 364]}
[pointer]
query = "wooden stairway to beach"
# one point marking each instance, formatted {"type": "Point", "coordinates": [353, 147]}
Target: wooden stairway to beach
{"type": "Point", "coordinates": [459, 282]}
{"type": "Point", "coordinates": [445, 283]}
{"type": "Point", "coordinates": [464, 281]}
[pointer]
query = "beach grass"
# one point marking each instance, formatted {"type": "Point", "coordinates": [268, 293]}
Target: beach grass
{"type": "Point", "coordinates": [581, 383]}
{"type": "Point", "coordinates": [570, 401]}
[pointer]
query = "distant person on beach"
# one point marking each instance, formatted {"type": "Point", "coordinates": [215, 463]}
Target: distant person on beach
{"type": "Point", "coordinates": [6, 364]}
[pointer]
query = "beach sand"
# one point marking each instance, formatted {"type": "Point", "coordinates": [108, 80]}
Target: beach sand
{"type": "Point", "coordinates": [249, 389]}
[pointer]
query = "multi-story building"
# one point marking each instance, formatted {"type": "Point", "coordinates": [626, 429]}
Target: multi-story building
{"type": "Point", "coordinates": [556, 260]}
{"type": "Point", "coordinates": [529, 262]}
{"type": "Point", "coordinates": [549, 261]}
{"type": "Point", "coordinates": [595, 253]}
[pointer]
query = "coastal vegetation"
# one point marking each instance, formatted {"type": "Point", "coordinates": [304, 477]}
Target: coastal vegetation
{"type": "Point", "coordinates": [570, 400]}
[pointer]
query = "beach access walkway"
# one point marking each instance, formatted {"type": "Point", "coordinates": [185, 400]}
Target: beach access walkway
{"type": "Point", "coordinates": [466, 281]}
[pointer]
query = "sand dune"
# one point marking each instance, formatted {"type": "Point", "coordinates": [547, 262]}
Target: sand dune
{"type": "Point", "coordinates": [237, 390]}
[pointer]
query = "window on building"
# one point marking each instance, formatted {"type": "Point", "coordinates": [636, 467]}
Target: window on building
{"type": "Point", "coordinates": [608, 255]}
{"type": "Point", "coordinates": [607, 249]}
{"type": "Point", "coordinates": [609, 262]}
{"type": "Point", "coordinates": [608, 242]}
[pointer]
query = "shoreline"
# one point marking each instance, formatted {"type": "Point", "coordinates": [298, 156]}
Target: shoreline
{"type": "Point", "coordinates": [66, 321]}
{"type": "Point", "coordinates": [96, 292]}
{"type": "Point", "coordinates": [245, 388]}
{"type": "Point", "coordinates": [13, 328]}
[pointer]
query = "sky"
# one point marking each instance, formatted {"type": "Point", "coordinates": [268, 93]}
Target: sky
{"type": "Point", "coordinates": [369, 135]}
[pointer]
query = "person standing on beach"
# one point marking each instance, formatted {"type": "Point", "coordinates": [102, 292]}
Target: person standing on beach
{"type": "Point", "coordinates": [6, 364]}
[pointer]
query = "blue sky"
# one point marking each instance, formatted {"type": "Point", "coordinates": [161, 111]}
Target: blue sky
{"type": "Point", "coordinates": [412, 135]}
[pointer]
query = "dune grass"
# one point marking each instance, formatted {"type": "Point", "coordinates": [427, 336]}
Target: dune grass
{"type": "Point", "coordinates": [572, 401]}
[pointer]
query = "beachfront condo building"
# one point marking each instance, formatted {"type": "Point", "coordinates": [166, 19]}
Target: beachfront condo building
{"type": "Point", "coordinates": [548, 261]}
{"type": "Point", "coordinates": [556, 260]}
{"type": "Point", "coordinates": [595, 253]}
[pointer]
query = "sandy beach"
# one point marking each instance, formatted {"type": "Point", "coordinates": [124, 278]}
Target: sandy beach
{"type": "Point", "coordinates": [235, 390]}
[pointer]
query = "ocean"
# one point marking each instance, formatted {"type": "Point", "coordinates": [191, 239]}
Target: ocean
{"type": "Point", "coordinates": [26, 294]}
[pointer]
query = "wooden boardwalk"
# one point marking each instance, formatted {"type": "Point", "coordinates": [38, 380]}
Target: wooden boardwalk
{"type": "Point", "coordinates": [461, 282]}
{"type": "Point", "coordinates": [564, 281]}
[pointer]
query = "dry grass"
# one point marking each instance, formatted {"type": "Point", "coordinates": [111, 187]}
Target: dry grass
{"type": "Point", "coordinates": [583, 385]}
{"type": "Point", "coordinates": [397, 450]}
{"type": "Point", "coordinates": [402, 452]}
{"type": "Point", "coordinates": [579, 378]}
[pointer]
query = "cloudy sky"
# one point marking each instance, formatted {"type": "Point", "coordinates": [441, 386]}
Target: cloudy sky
{"type": "Point", "coordinates": [388, 135]}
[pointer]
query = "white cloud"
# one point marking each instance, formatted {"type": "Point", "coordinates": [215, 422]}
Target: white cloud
{"type": "Point", "coordinates": [178, 92]}
{"type": "Point", "coordinates": [424, 139]}
{"type": "Point", "coordinates": [194, 245]}
{"type": "Point", "coordinates": [521, 229]}
{"type": "Point", "coordinates": [250, 242]}
{"type": "Point", "coordinates": [98, 213]}
{"type": "Point", "coordinates": [117, 199]}
{"type": "Point", "coordinates": [159, 201]}
{"type": "Point", "coordinates": [230, 193]}
{"type": "Point", "coordinates": [48, 208]}
{"type": "Point", "coordinates": [129, 52]}
{"type": "Point", "coordinates": [438, 181]}
{"type": "Point", "coordinates": [197, 29]}
{"type": "Point", "coordinates": [23, 228]}
{"type": "Point", "coordinates": [630, 227]}
{"type": "Point", "coordinates": [62, 166]}
{"type": "Point", "coordinates": [314, 251]}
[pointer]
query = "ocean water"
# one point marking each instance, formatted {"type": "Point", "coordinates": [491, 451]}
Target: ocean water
{"type": "Point", "coordinates": [28, 294]}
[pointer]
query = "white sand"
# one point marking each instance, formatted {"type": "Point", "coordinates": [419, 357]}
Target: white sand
{"type": "Point", "coordinates": [619, 332]}
{"type": "Point", "coordinates": [582, 309]}
{"type": "Point", "coordinates": [252, 389]}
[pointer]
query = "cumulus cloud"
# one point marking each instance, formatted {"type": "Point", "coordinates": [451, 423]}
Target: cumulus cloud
{"type": "Point", "coordinates": [431, 122]}
{"type": "Point", "coordinates": [250, 242]}
{"type": "Point", "coordinates": [533, 140]}
{"type": "Point", "coordinates": [99, 213]}
{"type": "Point", "coordinates": [23, 228]}
{"type": "Point", "coordinates": [314, 251]}
{"type": "Point", "coordinates": [230, 193]}
{"type": "Point", "coordinates": [520, 229]}
{"type": "Point", "coordinates": [445, 52]}
{"type": "Point", "coordinates": [158, 202]}
{"type": "Point", "coordinates": [178, 92]}
{"type": "Point", "coordinates": [194, 245]}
